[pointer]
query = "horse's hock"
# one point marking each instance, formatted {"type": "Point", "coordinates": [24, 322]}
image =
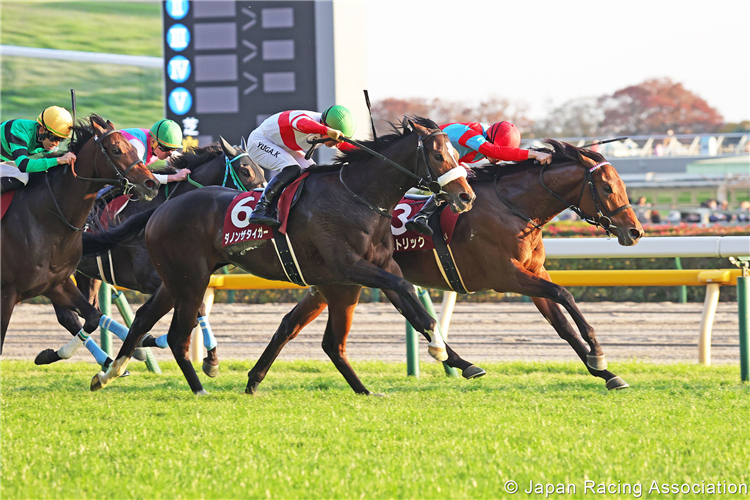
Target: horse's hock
{"type": "Point", "coordinates": [658, 332]}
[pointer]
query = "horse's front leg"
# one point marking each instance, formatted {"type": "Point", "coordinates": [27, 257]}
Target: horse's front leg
{"type": "Point", "coordinates": [309, 308]}
{"type": "Point", "coordinates": [145, 318]}
{"type": "Point", "coordinates": [368, 274]}
{"type": "Point", "coordinates": [7, 303]}
{"type": "Point", "coordinates": [538, 285]}
{"type": "Point", "coordinates": [468, 370]}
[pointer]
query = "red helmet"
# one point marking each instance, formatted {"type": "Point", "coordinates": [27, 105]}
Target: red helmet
{"type": "Point", "coordinates": [504, 134]}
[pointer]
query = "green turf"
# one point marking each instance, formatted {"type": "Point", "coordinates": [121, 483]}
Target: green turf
{"type": "Point", "coordinates": [306, 435]}
{"type": "Point", "coordinates": [129, 96]}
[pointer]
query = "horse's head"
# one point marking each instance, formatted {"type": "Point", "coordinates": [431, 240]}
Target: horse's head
{"type": "Point", "coordinates": [249, 173]}
{"type": "Point", "coordinates": [440, 161]}
{"type": "Point", "coordinates": [123, 160]}
{"type": "Point", "coordinates": [603, 194]}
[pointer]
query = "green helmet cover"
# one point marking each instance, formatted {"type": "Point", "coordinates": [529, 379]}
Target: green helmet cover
{"type": "Point", "coordinates": [167, 133]}
{"type": "Point", "coordinates": [340, 118]}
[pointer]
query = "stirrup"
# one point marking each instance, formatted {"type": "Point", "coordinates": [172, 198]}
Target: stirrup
{"type": "Point", "coordinates": [419, 224]}
{"type": "Point", "coordinates": [264, 218]}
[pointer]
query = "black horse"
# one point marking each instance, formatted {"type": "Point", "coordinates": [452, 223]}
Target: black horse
{"type": "Point", "coordinates": [339, 231]}
{"type": "Point", "coordinates": [129, 265]}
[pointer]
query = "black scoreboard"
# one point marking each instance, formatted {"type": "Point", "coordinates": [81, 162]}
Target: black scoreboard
{"type": "Point", "coordinates": [229, 65]}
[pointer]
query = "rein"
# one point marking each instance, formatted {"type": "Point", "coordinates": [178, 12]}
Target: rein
{"type": "Point", "coordinates": [59, 213]}
{"type": "Point", "coordinates": [228, 171]}
{"type": "Point", "coordinates": [602, 219]}
{"type": "Point", "coordinates": [429, 184]}
{"type": "Point", "coordinates": [123, 180]}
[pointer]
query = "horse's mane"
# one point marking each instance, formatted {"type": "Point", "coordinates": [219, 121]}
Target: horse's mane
{"type": "Point", "coordinates": [561, 152]}
{"type": "Point", "coordinates": [196, 156]}
{"type": "Point", "coordinates": [83, 132]}
{"type": "Point", "coordinates": [400, 130]}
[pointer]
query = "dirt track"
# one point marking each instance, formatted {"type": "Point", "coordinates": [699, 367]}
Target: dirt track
{"type": "Point", "coordinates": [661, 332]}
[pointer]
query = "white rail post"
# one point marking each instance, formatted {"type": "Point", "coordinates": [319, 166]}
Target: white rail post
{"type": "Point", "coordinates": [707, 322]}
{"type": "Point", "coordinates": [446, 312]}
{"type": "Point", "coordinates": [196, 338]}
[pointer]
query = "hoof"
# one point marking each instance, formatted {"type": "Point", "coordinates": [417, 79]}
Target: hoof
{"type": "Point", "coordinates": [96, 382]}
{"type": "Point", "coordinates": [616, 383]}
{"type": "Point", "coordinates": [46, 357]}
{"type": "Point", "coordinates": [209, 369]}
{"type": "Point", "coordinates": [598, 363]}
{"type": "Point", "coordinates": [439, 353]}
{"type": "Point", "coordinates": [202, 392]}
{"type": "Point", "coordinates": [252, 388]}
{"type": "Point", "coordinates": [473, 372]}
{"type": "Point", "coordinates": [139, 354]}
{"type": "Point", "coordinates": [377, 394]}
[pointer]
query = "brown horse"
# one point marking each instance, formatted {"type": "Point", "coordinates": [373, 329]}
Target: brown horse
{"type": "Point", "coordinates": [128, 265]}
{"type": "Point", "coordinates": [498, 246]}
{"type": "Point", "coordinates": [340, 230]}
{"type": "Point", "coordinates": [41, 231]}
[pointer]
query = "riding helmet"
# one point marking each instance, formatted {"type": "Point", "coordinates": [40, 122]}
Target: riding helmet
{"type": "Point", "coordinates": [340, 118]}
{"type": "Point", "coordinates": [167, 133]}
{"type": "Point", "coordinates": [504, 134]}
{"type": "Point", "coordinates": [57, 120]}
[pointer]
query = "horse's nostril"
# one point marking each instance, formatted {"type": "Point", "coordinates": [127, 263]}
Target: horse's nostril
{"type": "Point", "coordinates": [465, 197]}
{"type": "Point", "coordinates": [634, 233]}
{"type": "Point", "coordinates": [151, 184]}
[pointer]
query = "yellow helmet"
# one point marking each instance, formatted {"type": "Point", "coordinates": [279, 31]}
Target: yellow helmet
{"type": "Point", "coordinates": [57, 120]}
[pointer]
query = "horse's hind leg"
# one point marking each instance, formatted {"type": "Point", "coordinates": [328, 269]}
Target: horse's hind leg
{"type": "Point", "coordinates": [7, 303]}
{"type": "Point", "coordinates": [178, 337]}
{"type": "Point", "coordinates": [552, 312]}
{"type": "Point", "coordinates": [468, 370]}
{"type": "Point", "coordinates": [309, 308]}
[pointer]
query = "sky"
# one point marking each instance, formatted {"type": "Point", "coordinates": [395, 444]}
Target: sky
{"type": "Point", "coordinates": [546, 53]}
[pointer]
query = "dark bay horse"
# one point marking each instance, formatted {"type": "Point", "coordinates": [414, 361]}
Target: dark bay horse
{"type": "Point", "coordinates": [339, 229]}
{"type": "Point", "coordinates": [498, 246]}
{"type": "Point", "coordinates": [128, 265]}
{"type": "Point", "coordinates": [41, 232]}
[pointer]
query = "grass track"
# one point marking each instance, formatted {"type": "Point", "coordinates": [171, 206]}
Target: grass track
{"type": "Point", "coordinates": [308, 436]}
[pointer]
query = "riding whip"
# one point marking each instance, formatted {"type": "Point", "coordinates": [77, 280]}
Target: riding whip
{"type": "Point", "coordinates": [596, 143]}
{"type": "Point", "coordinates": [369, 108]}
{"type": "Point", "coordinates": [73, 101]}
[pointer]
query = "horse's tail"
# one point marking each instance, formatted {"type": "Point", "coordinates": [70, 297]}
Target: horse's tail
{"type": "Point", "coordinates": [99, 243]}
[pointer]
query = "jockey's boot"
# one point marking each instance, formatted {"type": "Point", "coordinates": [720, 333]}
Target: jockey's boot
{"type": "Point", "coordinates": [263, 213]}
{"type": "Point", "coordinates": [9, 184]}
{"type": "Point", "coordinates": [418, 223]}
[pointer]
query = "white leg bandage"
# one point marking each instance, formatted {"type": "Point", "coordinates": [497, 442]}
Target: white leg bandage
{"type": "Point", "coordinates": [67, 351]}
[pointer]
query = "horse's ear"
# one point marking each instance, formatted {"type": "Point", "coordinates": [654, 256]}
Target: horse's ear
{"type": "Point", "coordinates": [419, 128]}
{"type": "Point", "coordinates": [228, 148]}
{"type": "Point", "coordinates": [110, 124]}
{"type": "Point", "coordinates": [408, 125]}
{"type": "Point", "coordinates": [98, 129]}
{"type": "Point", "coordinates": [243, 144]}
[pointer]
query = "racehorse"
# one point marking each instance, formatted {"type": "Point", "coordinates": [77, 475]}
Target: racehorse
{"type": "Point", "coordinates": [129, 265]}
{"type": "Point", "coordinates": [498, 246]}
{"type": "Point", "coordinates": [340, 227]}
{"type": "Point", "coordinates": [41, 231]}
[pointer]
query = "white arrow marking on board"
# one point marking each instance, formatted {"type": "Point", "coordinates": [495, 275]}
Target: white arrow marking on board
{"type": "Point", "coordinates": [253, 51]}
{"type": "Point", "coordinates": [253, 18]}
{"type": "Point", "coordinates": [253, 86]}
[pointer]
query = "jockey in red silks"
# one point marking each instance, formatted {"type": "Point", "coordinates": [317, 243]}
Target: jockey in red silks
{"type": "Point", "coordinates": [280, 144]}
{"type": "Point", "coordinates": [476, 142]}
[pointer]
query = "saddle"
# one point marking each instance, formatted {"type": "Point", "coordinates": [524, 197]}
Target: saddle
{"type": "Point", "coordinates": [5, 201]}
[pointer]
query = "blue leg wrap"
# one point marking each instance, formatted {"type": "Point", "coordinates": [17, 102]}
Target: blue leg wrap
{"type": "Point", "coordinates": [99, 355]}
{"type": "Point", "coordinates": [162, 342]}
{"type": "Point", "coordinates": [208, 336]}
{"type": "Point", "coordinates": [113, 326]}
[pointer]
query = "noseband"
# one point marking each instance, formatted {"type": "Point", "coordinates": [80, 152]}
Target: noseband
{"type": "Point", "coordinates": [602, 218]}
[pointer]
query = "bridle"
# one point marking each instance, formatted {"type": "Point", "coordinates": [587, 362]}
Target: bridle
{"type": "Point", "coordinates": [603, 217]}
{"type": "Point", "coordinates": [430, 182]}
{"type": "Point", "coordinates": [123, 180]}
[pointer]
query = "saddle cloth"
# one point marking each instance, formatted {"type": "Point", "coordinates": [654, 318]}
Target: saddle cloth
{"type": "Point", "coordinates": [236, 227]}
{"type": "Point", "coordinates": [113, 208]}
{"type": "Point", "coordinates": [5, 200]}
{"type": "Point", "coordinates": [409, 241]}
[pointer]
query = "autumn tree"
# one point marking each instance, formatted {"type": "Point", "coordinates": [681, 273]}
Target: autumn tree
{"type": "Point", "coordinates": [446, 111]}
{"type": "Point", "coordinates": [576, 118]}
{"type": "Point", "coordinates": [655, 106]}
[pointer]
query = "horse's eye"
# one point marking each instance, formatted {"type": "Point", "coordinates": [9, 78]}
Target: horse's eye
{"type": "Point", "coordinates": [439, 157]}
{"type": "Point", "coordinates": [117, 151]}
{"type": "Point", "coordinates": [607, 189]}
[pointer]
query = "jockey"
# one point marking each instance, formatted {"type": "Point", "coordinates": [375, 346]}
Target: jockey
{"type": "Point", "coordinates": [280, 144]}
{"type": "Point", "coordinates": [475, 142]}
{"type": "Point", "coordinates": [159, 143]}
{"type": "Point", "coordinates": [21, 139]}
